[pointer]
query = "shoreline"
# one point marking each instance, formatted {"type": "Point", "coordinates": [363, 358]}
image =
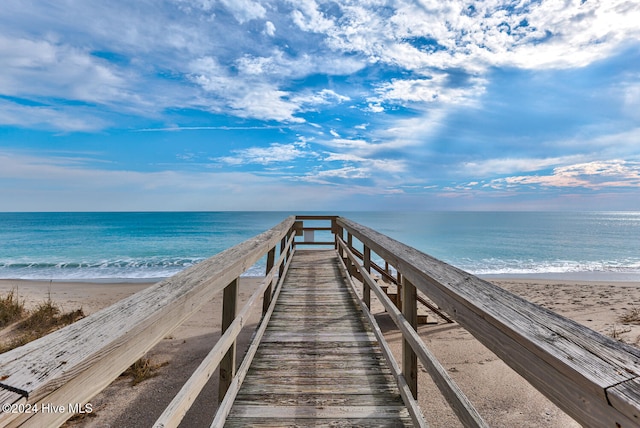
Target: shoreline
{"type": "Point", "coordinates": [501, 396]}
{"type": "Point", "coordinates": [580, 276]}
{"type": "Point", "coordinates": [601, 277]}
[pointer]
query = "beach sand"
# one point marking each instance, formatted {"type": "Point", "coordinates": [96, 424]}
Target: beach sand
{"type": "Point", "coordinates": [501, 396]}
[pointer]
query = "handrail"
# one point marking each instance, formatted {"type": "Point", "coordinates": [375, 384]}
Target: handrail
{"type": "Point", "coordinates": [178, 407]}
{"type": "Point", "coordinates": [405, 391]}
{"type": "Point", "coordinates": [395, 281]}
{"type": "Point", "coordinates": [593, 378]}
{"type": "Point", "coordinates": [73, 364]}
{"type": "Point", "coordinates": [461, 405]}
{"type": "Point", "coordinates": [225, 405]}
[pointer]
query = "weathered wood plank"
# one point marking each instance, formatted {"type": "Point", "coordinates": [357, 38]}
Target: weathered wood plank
{"type": "Point", "coordinates": [319, 389]}
{"type": "Point", "coordinates": [625, 397]}
{"type": "Point", "coordinates": [333, 354]}
{"type": "Point", "coordinates": [319, 412]}
{"type": "Point", "coordinates": [364, 383]}
{"type": "Point", "coordinates": [333, 366]}
{"type": "Point", "coordinates": [324, 347]}
{"type": "Point", "coordinates": [335, 399]}
{"type": "Point", "coordinates": [319, 337]}
{"type": "Point", "coordinates": [309, 423]}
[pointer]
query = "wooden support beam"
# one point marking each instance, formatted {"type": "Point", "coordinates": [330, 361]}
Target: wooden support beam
{"type": "Point", "coordinates": [366, 290]}
{"type": "Point", "coordinates": [266, 301]}
{"type": "Point", "coordinates": [410, 312]}
{"type": "Point", "coordinates": [283, 250]}
{"type": "Point", "coordinates": [228, 363]}
{"type": "Point", "coordinates": [339, 234]}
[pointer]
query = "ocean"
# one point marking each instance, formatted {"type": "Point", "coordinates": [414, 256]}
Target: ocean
{"type": "Point", "coordinates": [147, 246]}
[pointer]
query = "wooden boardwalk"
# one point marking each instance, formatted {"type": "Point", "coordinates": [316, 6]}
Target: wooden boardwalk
{"type": "Point", "coordinates": [319, 363]}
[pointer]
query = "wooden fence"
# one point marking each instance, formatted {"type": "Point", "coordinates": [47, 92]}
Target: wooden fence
{"type": "Point", "coordinates": [591, 377]}
{"type": "Point", "coordinates": [73, 364]}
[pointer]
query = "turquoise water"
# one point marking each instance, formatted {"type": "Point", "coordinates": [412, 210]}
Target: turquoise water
{"type": "Point", "coordinates": [145, 246]}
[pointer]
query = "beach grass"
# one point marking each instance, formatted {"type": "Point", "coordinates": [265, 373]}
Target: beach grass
{"type": "Point", "coordinates": [48, 317]}
{"type": "Point", "coordinates": [632, 316]}
{"type": "Point", "coordinates": [142, 370]}
{"type": "Point", "coordinates": [44, 319]}
{"type": "Point", "coordinates": [11, 308]}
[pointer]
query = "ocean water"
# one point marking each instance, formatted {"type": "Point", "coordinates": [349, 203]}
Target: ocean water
{"type": "Point", "coordinates": [149, 246]}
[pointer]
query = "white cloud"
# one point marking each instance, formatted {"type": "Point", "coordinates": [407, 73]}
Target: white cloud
{"type": "Point", "coordinates": [501, 166]}
{"type": "Point", "coordinates": [246, 97]}
{"type": "Point", "coordinates": [69, 184]}
{"type": "Point", "coordinates": [253, 91]}
{"type": "Point", "coordinates": [244, 10]}
{"type": "Point", "coordinates": [435, 89]}
{"type": "Point", "coordinates": [47, 51]}
{"type": "Point", "coordinates": [344, 143]}
{"type": "Point", "coordinates": [347, 172]}
{"type": "Point", "coordinates": [70, 119]}
{"type": "Point", "coordinates": [274, 153]}
{"type": "Point", "coordinates": [71, 73]}
{"type": "Point", "coordinates": [270, 29]}
{"type": "Point", "coordinates": [474, 36]}
{"type": "Point", "coordinates": [308, 17]}
{"type": "Point", "coordinates": [381, 167]}
{"type": "Point", "coordinates": [594, 175]}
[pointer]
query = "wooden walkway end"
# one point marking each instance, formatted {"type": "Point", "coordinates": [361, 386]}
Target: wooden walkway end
{"type": "Point", "coordinates": [319, 363]}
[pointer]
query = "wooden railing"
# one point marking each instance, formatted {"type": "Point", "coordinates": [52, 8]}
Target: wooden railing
{"type": "Point", "coordinates": [591, 377]}
{"type": "Point", "coordinates": [70, 366]}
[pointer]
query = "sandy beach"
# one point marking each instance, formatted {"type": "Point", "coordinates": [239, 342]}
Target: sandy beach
{"type": "Point", "coordinates": [502, 397]}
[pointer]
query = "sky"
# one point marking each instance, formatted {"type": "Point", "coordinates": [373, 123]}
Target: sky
{"type": "Point", "coordinates": [311, 105]}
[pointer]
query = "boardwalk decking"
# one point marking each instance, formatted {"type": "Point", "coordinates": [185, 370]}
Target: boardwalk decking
{"type": "Point", "coordinates": [319, 363]}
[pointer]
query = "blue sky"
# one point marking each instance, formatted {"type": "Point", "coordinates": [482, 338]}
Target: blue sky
{"type": "Point", "coordinates": [319, 105]}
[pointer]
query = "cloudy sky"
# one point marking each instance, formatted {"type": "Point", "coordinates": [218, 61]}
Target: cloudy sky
{"type": "Point", "coordinates": [319, 105]}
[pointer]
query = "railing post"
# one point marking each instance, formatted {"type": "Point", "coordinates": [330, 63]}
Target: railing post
{"type": "Point", "coordinates": [266, 300]}
{"type": "Point", "coordinates": [228, 363]}
{"type": "Point", "coordinates": [334, 230]}
{"type": "Point", "coordinates": [366, 290]}
{"type": "Point", "coordinates": [283, 243]}
{"type": "Point", "coordinates": [410, 313]}
{"type": "Point", "coordinates": [347, 260]}
{"type": "Point", "coordinates": [399, 298]}
{"type": "Point", "coordinates": [339, 233]}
